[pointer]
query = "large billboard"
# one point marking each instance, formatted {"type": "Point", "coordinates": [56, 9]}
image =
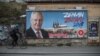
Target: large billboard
{"type": "Point", "coordinates": [57, 23]}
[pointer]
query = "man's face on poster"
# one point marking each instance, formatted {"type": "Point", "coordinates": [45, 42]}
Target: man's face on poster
{"type": "Point", "coordinates": [36, 20]}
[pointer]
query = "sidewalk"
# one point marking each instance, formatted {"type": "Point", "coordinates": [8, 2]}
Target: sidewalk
{"type": "Point", "coordinates": [50, 50]}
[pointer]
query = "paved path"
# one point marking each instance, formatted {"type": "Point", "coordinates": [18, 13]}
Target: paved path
{"type": "Point", "coordinates": [50, 51]}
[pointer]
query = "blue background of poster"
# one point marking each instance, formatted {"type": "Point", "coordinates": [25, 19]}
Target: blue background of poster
{"type": "Point", "coordinates": [57, 16]}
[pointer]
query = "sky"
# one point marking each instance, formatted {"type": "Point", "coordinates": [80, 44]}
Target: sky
{"type": "Point", "coordinates": [58, 16]}
{"type": "Point", "coordinates": [20, 0]}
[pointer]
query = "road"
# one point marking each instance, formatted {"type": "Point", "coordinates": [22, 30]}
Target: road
{"type": "Point", "coordinates": [50, 51]}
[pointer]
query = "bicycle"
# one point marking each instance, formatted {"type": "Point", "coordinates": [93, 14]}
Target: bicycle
{"type": "Point", "coordinates": [22, 41]}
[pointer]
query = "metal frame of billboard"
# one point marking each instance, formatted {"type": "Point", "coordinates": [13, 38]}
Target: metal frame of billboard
{"type": "Point", "coordinates": [63, 10]}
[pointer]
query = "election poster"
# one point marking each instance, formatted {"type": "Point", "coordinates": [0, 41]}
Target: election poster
{"type": "Point", "coordinates": [58, 23]}
{"type": "Point", "coordinates": [93, 29]}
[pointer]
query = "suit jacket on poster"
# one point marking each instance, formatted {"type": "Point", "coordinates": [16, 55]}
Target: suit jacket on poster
{"type": "Point", "coordinates": [31, 34]}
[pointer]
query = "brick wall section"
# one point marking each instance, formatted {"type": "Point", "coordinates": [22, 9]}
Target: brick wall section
{"type": "Point", "coordinates": [93, 11]}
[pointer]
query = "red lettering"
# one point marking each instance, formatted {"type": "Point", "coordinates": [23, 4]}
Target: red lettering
{"type": "Point", "coordinates": [73, 19]}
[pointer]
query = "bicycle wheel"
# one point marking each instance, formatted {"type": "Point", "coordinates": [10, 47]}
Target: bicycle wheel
{"type": "Point", "coordinates": [9, 43]}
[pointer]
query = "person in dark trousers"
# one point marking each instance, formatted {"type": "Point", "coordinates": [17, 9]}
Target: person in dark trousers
{"type": "Point", "coordinates": [15, 34]}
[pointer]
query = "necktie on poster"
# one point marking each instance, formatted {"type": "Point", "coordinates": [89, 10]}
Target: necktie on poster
{"type": "Point", "coordinates": [38, 35]}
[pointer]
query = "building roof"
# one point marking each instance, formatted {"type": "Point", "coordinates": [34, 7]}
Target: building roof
{"type": "Point", "coordinates": [62, 1]}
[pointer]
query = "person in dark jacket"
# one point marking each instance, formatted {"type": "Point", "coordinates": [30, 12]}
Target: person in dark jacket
{"type": "Point", "coordinates": [35, 30]}
{"type": "Point", "coordinates": [15, 34]}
